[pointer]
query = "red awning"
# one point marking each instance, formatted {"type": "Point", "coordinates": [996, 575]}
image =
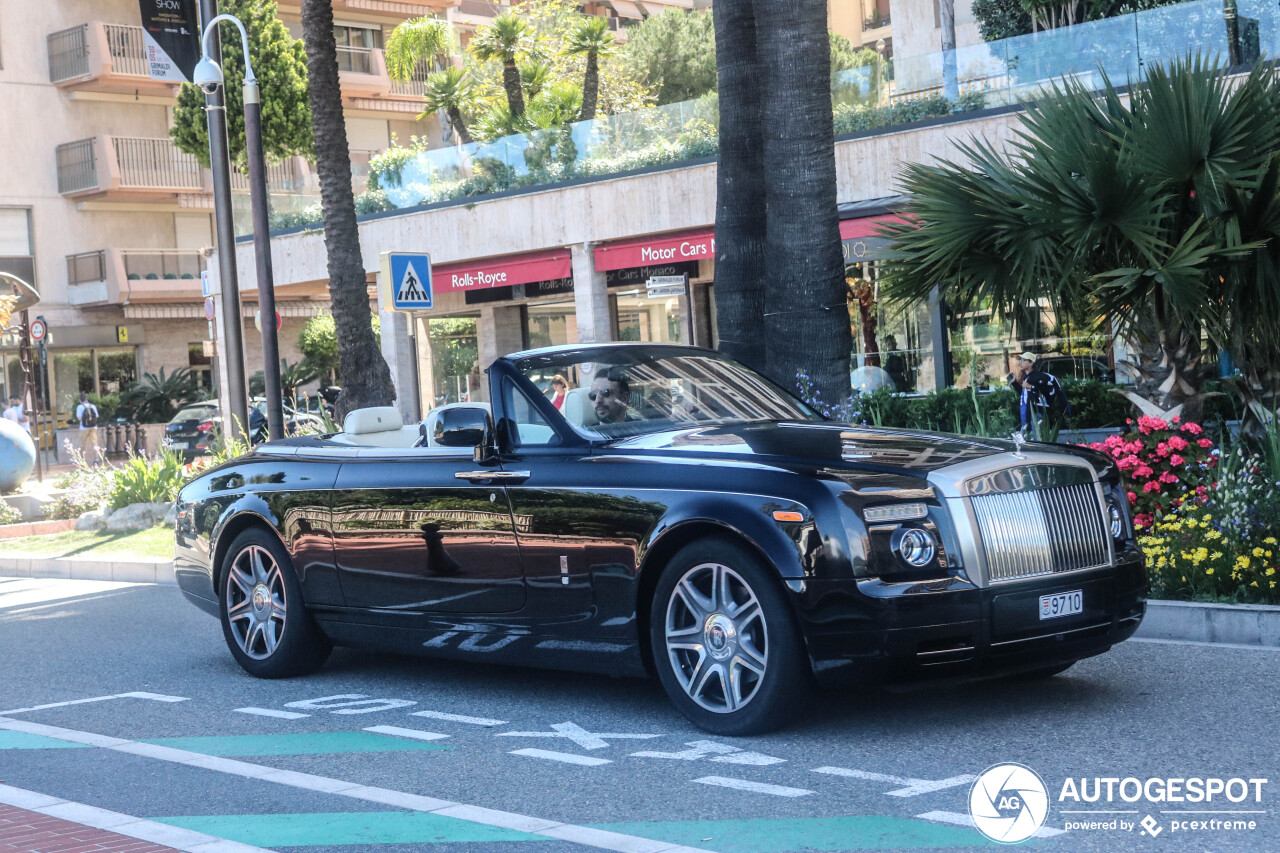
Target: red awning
{"type": "Point", "coordinates": [501, 272]}
{"type": "Point", "coordinates": [868, 226]}
{"type": "Point", "coordinates": [652, 251]}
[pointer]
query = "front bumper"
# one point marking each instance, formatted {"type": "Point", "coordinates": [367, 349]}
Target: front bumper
{"type": "Point", "coordinates": [950, 628]}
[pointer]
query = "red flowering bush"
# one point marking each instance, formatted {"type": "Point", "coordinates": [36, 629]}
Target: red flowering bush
{"type": "Point", "coordinates": [1163, 462]}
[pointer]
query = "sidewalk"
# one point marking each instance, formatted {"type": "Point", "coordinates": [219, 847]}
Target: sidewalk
{"type": "Point", "coordinates": [22, 831]}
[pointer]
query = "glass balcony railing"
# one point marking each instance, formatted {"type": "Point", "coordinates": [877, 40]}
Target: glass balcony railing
{"type": "Point", "coordinates": [889, 93]}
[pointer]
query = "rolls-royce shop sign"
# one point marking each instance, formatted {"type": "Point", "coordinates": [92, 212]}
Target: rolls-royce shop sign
{"type": "Point", "coordinates": [171, 38]}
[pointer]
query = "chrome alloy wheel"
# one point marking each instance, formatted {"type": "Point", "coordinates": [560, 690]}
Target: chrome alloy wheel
{"type": "Point", "coordinates": [716, 638]}
{"type": "Point", "coordinates": [255, 602]}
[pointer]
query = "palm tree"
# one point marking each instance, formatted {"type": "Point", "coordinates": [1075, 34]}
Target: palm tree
{"type": "Point", "coordinates": [774, 59]}
{"type": "Point", "coordinates": [1160, 214]}
{"type": "Point", "coordinates": [504, 40]}
{"type": "Point", "coordinates": [450, 90]}
{"type": "Point", "coordinates": [366, 377]}
{"type": "Point", "coordinates": [590, 38]}
{"type": "Point", "coordinates": [157, 397]}
{"type": "Point", "coordinates": [418, 41]}
{"type": "Point", "coordinates": [740, 193]}
{"type": "Point", "coordinates": [534, 76]}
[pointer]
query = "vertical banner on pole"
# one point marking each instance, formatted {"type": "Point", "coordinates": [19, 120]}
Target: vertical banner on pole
{"type": "Point", "coordinates": [171, 38]}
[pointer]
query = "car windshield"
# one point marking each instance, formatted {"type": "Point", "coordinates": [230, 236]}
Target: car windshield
{"type": "Point", "coordinates": [610, 392]}
{"type": "Point", "coordinates": [196, 413]}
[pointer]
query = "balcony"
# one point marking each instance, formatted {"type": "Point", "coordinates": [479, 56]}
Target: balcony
{"type": "Point", "coordinates": [125, 168]}
{"type": "Point", "coordinates": [100, 57]}
{"type": "Point", "coordinates": [294, 176]}
{"type": "Point", "coordinates": [119, 276]}
{"type": "Point", "coordinates": [367, 87]}
{"type": "Point", "coordinates": [392, 10]}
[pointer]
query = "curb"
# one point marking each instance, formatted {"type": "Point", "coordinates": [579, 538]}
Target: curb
{"type": "Point", "coordinates": [132, 571]}
{"type": "Point", "coordinates": [36, 528]}
{"type": "Point", "coordinates": [1229, 624]}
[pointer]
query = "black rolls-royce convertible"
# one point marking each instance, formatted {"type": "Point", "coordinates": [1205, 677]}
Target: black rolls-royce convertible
{"type": "Point", "coordinates": [674, 513]}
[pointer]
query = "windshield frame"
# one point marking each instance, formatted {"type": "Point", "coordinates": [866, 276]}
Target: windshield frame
{"type": "Point", "coordinates": [616, 354]}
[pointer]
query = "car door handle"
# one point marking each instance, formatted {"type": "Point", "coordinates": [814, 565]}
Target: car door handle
{"type": "Point", "coordinates": [488, 476]}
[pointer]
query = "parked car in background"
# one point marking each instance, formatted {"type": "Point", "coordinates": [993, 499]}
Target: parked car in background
{"type": "Point", "coordinates": [294, 420]}
{"type": "Point", "coordinates": [1076, 367]}
{"type": "Point", "coordinates": [195, 429]}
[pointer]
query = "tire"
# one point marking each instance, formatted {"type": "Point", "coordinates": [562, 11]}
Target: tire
{"type": "Point", "coordinates": [264, 620]}
{"type": "Point", "coordinates": [1042, 674]}
{"type": "Point", "coordinates": [697, 640]}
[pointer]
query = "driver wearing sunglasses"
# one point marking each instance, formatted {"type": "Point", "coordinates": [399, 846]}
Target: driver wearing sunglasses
{"type": "Point", "coordinates": [611, 394]}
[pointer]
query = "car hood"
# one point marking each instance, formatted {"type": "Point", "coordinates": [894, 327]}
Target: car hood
{"type": "Point", "coordinates": [821, 445]}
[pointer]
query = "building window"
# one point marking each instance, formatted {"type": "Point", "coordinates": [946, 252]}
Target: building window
{"type": "Point", "coordinates": [355, 47]}
{"type": "Point", "coordinates": [15, 232]}
{"type": "Point", "coordinates": [201, 365]}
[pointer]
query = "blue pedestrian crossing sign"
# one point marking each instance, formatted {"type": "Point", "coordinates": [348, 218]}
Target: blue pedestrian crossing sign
{"type": "Point", "coordinates": [407, 279]}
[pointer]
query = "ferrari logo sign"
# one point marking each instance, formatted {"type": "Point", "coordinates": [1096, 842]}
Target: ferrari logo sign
{"type": "Point", "coordinates": [406, 281]}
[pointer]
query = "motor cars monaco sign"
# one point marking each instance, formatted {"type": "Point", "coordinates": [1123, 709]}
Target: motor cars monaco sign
{"type": "Point", "coordinates": [171, 38]}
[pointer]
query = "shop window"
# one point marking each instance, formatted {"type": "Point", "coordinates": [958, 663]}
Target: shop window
{"type": "Point", "coordinates": [892, 347]}
{"type": "Point", "coordinates": [201, 365]}
{"type": "Point", "coordinates": [985, 349]}
{"type": "Point", "coordinates": [72, 373]}
{"type": "Point", "coordinates": [552, 324]}
{"type": "Point", "coordinates": [531, 428]}
{"type": "Point", "coordinates": [651, 319]}
{"type": "Point", "coordinates": [455, 359]}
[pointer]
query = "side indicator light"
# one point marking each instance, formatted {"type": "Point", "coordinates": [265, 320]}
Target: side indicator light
{"type": "Point", "coordinates": [782, 515]}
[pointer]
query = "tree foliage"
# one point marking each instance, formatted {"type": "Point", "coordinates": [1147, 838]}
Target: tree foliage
{"type": "Point", "coordinates": [318, 343]}
{"type": "Point", "coordinates": [1160, 213]}
{"type": "Point", "coordinates": [157, 397]}
{"type": "Point", "coordinates": [674, 54]}
{"type": "Point", "coordinates": [279, 63]}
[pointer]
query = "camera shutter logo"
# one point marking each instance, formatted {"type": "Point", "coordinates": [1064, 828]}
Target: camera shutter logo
{"type": "Point", "coordinates": [1009, 803]}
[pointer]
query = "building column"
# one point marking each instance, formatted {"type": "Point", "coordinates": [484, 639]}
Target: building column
{"type": "Point", "coordinates": [501, 331]}
{"type": "Point", "coordinates": [941, 340]}
{"type": "Point", "coordinates": [398, 351]}
{"type": "Point", "coordinates": [590, 297]}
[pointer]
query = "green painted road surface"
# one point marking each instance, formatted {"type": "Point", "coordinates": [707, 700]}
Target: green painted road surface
{"type": "Point", "coordinates": [321, 743]}
{"type": "Point", "coordinates": [22, 740]}
{"type": "Point", "coordinates": [785, 835]}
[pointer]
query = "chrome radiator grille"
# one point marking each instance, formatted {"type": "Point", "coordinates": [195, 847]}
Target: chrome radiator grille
{"type": "Point", "coordinates": [1042, 531]}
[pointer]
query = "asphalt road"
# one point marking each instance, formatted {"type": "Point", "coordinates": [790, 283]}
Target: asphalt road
{"type": "Point", "coordinates": [859, 770]}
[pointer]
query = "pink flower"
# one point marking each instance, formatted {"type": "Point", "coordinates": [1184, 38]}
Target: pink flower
{"type": "Point", "coordinates": [1175, 460]}
{"type": "Point", "coordinates": [1142, 520]}
{"type": "Point", "coordinates": [1112, 440]}
{"type": "Point", "coordinates": [1095, 446]}
{"type": "Point", "coordinates": [1151, 423]}
{"type": "Point", "coordinates": [1129, 462]}
{"type": "Point", "coordinates": [1202, 490]}
{"type": "Point", "coordinates": [1133, 496]}
{"type": "Point", "coordinates": [1162, 449]}
{"type": "Point", "coordinates": [1143, 472]}
{"type": "Point", "coordinates": [1177, 442]}
{"type": "Point", "coordinates": [1168, 477]}
{"type": "Point", "coordinates": [1192, 428]}
{"type": "Point", "coordinates": [1151, 486]}
{"type": "Point", "coordinates": [1177, 418]}
{"type": "Point", "coordinates": [1204, 442]}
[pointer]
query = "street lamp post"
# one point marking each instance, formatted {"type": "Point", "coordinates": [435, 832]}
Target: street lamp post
{"type": "Point", "coordinates": [232, 349]}
{"type": "Point", "coordinates": [208, 76]}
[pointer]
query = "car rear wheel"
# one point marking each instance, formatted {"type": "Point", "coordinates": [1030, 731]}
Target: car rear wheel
{"type": "Point", "coordinates": [724, 640]}
{"type": "Point", "coordinates": [265, 624]}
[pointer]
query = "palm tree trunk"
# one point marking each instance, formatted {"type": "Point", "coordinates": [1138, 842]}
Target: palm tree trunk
{"type": "Point", "coordinates": [366, 380]}
{"type": "Point", "coordinates": [740, 194]}
{"type": "Point", "coordinates": [511, 82]}
{"type": "Point", "coordinates": [459, 124]}
{"type": "Point", "coordinates": [806, 319]}
{"type": "Point", "coordinates": [1166, 370]}
{"type": "Point", "coordinates": [590, 88]}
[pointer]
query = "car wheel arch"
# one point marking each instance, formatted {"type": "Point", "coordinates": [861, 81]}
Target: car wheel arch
{"type": "Point", "coordinates": [232, 527]}
{"type": "Point", "coordinates": [660, 552]}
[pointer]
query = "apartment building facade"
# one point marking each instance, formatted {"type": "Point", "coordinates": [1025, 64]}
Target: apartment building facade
{"type": "Point", "coordinates": [113, 224]}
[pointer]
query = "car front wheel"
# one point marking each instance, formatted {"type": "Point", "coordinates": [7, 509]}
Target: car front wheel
{"type": "Point", "coordinates": [724, 640]}
{"type": "Point", "coordinates": [265, 624]}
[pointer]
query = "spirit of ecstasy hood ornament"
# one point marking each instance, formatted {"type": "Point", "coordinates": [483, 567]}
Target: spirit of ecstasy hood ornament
{"type": "Point", "coordinates": [1018, 441]}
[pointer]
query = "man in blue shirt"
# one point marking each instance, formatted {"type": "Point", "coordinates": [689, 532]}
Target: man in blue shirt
{"type": "Point", "coordinates": [1042, 399]}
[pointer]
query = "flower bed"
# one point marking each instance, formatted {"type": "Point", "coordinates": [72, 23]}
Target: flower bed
{"type": "Point", "coordinates": [1162, 461]}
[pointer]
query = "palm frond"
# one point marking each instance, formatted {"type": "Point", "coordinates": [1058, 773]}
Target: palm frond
{"type": "Point", "coordinates": [418, 41]}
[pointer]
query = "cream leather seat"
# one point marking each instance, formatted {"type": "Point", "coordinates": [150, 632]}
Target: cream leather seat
{"type": "Point", "coordinates": [578, 409]}
{"type": "Point", "coordinates": [377, 426]}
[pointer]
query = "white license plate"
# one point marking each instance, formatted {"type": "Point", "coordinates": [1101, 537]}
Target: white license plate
{"type": "Point", "coordinates": [178, 445]}
{"type": "Point", "coordinates": [1062, 604]}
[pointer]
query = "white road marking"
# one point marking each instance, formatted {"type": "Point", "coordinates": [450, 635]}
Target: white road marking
{"type": "Point", "coordinates": [706, 748]}
{"type": "Point", "coordinates": [36, 590]}
{"type": "Point", "coordinates": [580, 736]}
{"type": "Point", "coordinates": [272, 712]}
{"type": "Point", "coordinates": [154, 697]}
{"type": "Point", "coordinates": [756, 787]}
{"type": "Point", "coordinates": [350, 703]}
{"type": "Point", "coordinates": [413, 734]}
{"type": "Point", "coordinates": [911, 787]}
{"type": "Point", "coordinates": [566, 757]}
{"type": "Point", "coordinates": [967, 820]}
{"type": "Point", "coordinates": [476, 814]}
{"type": "Point", "coordinates": [459, 718]}
{"type": "Point", "coordinates": [121, 824]}
{"type": "Point", "coordinates": [1201, 643]}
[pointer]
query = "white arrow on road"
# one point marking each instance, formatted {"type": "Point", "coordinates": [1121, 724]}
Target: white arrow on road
{"type": "Point", "coordinates": [580, 736]}
{"type": "Point", "coordinates": [154, 697]}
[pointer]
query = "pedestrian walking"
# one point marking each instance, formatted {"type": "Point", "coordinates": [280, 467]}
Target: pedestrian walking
{"type": "Point", "coordinates": [17, 413]}
{"type": "Point", "coordinates": [87, 416]}
{"type": "Point", "coordinates": [1042, 401]}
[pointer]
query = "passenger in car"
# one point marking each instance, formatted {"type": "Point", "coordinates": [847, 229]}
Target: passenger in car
{"type": "Point", "coordinates": [611, 394]}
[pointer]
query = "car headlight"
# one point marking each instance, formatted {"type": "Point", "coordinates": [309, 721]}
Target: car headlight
{"type": "Point", "coordinates": [1115, 520]}
{"type": "Point", "coordinates": [915, 546]}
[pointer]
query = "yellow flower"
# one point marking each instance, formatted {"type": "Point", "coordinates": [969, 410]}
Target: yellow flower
{"type": "Point", "coordinates": [1271, 571]}
{"type": "Point", "coordinates": [1217, 555]}
{"type": "Point", "coordinates": [1208, 571]}
{"type": "Point", "coordinates": [1257, 552]}
{"type": "Point", "coordinates": [1213, 535]}
{"type": "Point", "coordinates": [1273, 584]}
{"type": "Point", "coordinates": [1254, 584]}
{"type": "Point", "coordinates": [1270, 540]}
{"type": "Point", "coordinates": [1242, 562]}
